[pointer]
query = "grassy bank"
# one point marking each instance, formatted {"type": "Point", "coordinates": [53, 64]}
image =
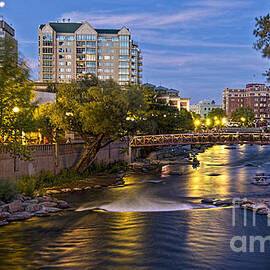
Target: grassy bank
{"type": "Point", "coordinates": [33, 185]}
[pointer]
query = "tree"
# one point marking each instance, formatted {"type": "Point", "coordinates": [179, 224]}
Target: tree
{"type": "Point", "coordinates": [262, 32]}
{"type": "Point", "coordinates": [100, 112]}
{"type": "Point", "coordinates": [16, 109]}
{"type": "Point", "coordinates": [217, 113]}
{"type": "Point", "coordinates": [161, 118]}
{"type": "Point", "coordinates": [244, 116]}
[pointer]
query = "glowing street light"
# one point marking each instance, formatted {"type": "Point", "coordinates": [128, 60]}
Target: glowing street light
{"type": "Point", "coordinates": [197, 122]}
{"type": "Point", "coordinates": [15, 109]}
{"type": "Point", "coordinates": [215, 117]}
{"type": "Point", "coordinates": [261, 119]}
{"type": "Point", "coordinates": [224, 121]}
{"type": "Point", "coordinates": [208, 122]}
{"type": "Point", "coordinates": [217, 122]}
{"type": "Point", "coordinates": [243, 119]}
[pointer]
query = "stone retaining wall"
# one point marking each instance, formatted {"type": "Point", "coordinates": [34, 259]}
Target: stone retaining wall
{"type": "Point", "coordinates": [55, 158]}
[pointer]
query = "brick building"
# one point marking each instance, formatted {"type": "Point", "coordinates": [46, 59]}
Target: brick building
{"type": "Point", "coordinates": [255, 96]}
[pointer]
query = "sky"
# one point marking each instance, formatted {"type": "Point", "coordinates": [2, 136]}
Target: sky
{"type": "Point", "coordinates": [199, 47]}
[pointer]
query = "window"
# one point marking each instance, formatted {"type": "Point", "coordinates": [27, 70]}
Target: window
{"type": "Point", "coordinates": [91, 70]}
{"type": "Point", "coordinates": [47, 50]}
{"type": "Point", "coordinates": [61, 63]}
{"type": "Point", "coordinates": [68, 69]}
{"type": "Point", "coordinates": [107, 57]}
{"type": "Point", "coordinates": [91, 64]}
{"type": "Point", "coordinates": [124, 44]}
{"type": "Point", "coordinates": [47, 77]}
{"type": "Point", "coordinates": [100, 38]}
{"type": "Point", "coordinates": [100, 64]}
{"type": "Point", "coordinates": [61, 69]}
{"type": "Point", "coordinates": [100, 77]}
{"type": "Point", "coordinates": [68, 63]}
{"type": "Point", "coordinates": [61, 43]}
{"type": "Point", "coordinates": [124, 52]}
{"type": "Point", "coordinates": [123, 58]}
{"type": "Point", "coordinates": [68, 50]}
{"type": "Point", "coordinates": [86, 37]}
{"type": "Point", "coordinates": [61, 37]}
{"type": "Point", "coordinates": [108, 64]}
{"type": "Point", "coordinates": [91, 57]}
{"type": "Point", "coordinates": [80, 43]}
{"type": "Point", "coordinates": [100, 44]}
{"type": "Point", "coordinates": [108, 44]}
{"type": "Point", "coordinates": [91, 51]}
{"type": "Point", "coordinates": [68, 76]}
{"type": "Point", "coordinates": [91, 44]}
{"type": "Point", "coordinates": [107, 77]}
{"type": "Point", "coordinates": [68, 56]}
{"type": "Point", "coordinates": [47, 70]}
{"type": "Point", "coordinates": [47, 63]}
{"type": "Point", "coordinates": [61, 56]}
{"type": "Point", "coordinates": [123, 78]}
{"type": "Point", "coordinates": [100, 57]}
{"type": "Point", "coordinates": [61, 50]}
{"type": "Point", "coordinates": [124, 38]}
{"type": "Point", "coordinates": [108, 70]}
{"type": "Point", "coordinates": [115, 39]}
{"type": "Point", "coordinates": [47, 37]}
{"type": "Point", "coordinates": [80, 50]}
{"type": "Point", "coordinates": [123, 71]}
{"type": "Point", "coordinates": [108, 51]}
{"type": "Point", "coordinates": [68, 43]}
{"type": "Point", "coordinates": [124, 64]}
{"type": "Point", "coordinates": [100, 51]}
{"type": "Point", "coordinates": [47, 43]}
{"type": "Point", "coordinates": [100, 70]}
{"type": "Point", "coordinates": [47, 56]}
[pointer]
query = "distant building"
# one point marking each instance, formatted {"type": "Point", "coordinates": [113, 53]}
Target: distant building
{"type": "Point", "coordinates": [171, 97]}
{"type": "Point", "coordinates": [7, 33]}
{"type": "Point", "coordinates": [204, 107]}
{"type": "Point", "coordinates": [68, 51]}
{"type": "Point", "coordinates": [256, 96]}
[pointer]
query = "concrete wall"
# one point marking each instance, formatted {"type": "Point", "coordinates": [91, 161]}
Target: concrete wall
{"type": "Point", "coordinates": [55, 158]}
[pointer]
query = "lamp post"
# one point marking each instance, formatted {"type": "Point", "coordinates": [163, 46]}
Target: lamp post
{"type": "Point", "coordinates": [15, 110]}
{"type": "Point", "coordinates": [243, 119]}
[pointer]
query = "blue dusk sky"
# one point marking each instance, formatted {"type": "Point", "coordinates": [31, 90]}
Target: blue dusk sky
{"type": "Point", "coordinates": [197, 46]}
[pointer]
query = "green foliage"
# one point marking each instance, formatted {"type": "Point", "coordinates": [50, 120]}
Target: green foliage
{"type": "Point", "coordinates": [244, 116]}
{"type": "Point", "coordinates": [218, 113]}
{"type": "Point", "coordinates": [16, 92]}
{"type": "Point", "coordinates": [262, 33]}
{"type": "Point", "coordinates": [111, 168]}
{"type": "Point", "coordinates": [8, 190]}
{"type": "Point", "coordinates": [28, 185]}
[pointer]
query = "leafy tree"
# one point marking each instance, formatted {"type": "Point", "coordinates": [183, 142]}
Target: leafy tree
{"type": "Point", "coordinates": [100, 112]}
{"type": "Point", "coordinates": [217, 113]}
{"type": "Point", "coordinates": [16, 110]}
{"type": "Point", "coordinates": [160, 118]}
{"type": "Point", "coordinates": [262, 32]}
{"type": "Point", "coordinates": [244, 116]}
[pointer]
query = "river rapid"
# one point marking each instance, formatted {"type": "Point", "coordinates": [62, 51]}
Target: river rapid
{"type": "Point", "coordinates": [152, 222]}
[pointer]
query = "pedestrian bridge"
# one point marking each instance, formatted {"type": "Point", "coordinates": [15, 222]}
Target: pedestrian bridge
{"type": "Point", "coordinates": [200, 138]}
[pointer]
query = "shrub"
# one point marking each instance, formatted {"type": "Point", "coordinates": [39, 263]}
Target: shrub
{"type": "Point", "coordinates": [8, 190]}
{"type": "Point", "coordinates": [45, 179]}
{"type": "Point", "coordinates": [28, 185]}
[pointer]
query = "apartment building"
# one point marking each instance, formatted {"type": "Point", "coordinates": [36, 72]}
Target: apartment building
{"type": "Point", "coordinates": [170, 97]}
{"type": "Point", "coordinates": [256, 96]}
{"type": "Point", "coordinates": [68, 51]}
{"type": "Point", "coordinates": [7, 33]}
{"type": "Point", "coordinates": [204, 107]}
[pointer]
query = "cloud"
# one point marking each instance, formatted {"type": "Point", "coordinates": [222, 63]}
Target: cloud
{"type": "Point", "coordinates": [196, 12]}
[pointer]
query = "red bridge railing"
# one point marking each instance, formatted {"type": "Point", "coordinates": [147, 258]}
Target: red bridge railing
{"type": "Point", "coordinates": [200, 138]}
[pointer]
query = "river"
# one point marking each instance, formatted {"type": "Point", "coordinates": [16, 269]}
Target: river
{"type": "Point", "coordinates": [152, 222]}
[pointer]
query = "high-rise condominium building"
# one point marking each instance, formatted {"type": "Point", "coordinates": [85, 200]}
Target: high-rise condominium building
{"type": "Point", "coordinates": [68, 51]}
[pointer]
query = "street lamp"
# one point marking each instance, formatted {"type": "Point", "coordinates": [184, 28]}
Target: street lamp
{"type": "Point", "coordinates": [224, 121]}
{"type": "Point", "coordinates": [208, 122]}
{"type": "Point", "coordinates": [16, 109]}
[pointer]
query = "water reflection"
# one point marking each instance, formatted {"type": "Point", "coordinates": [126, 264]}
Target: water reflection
{"type": "Point", "coordinates": [142, 227]}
